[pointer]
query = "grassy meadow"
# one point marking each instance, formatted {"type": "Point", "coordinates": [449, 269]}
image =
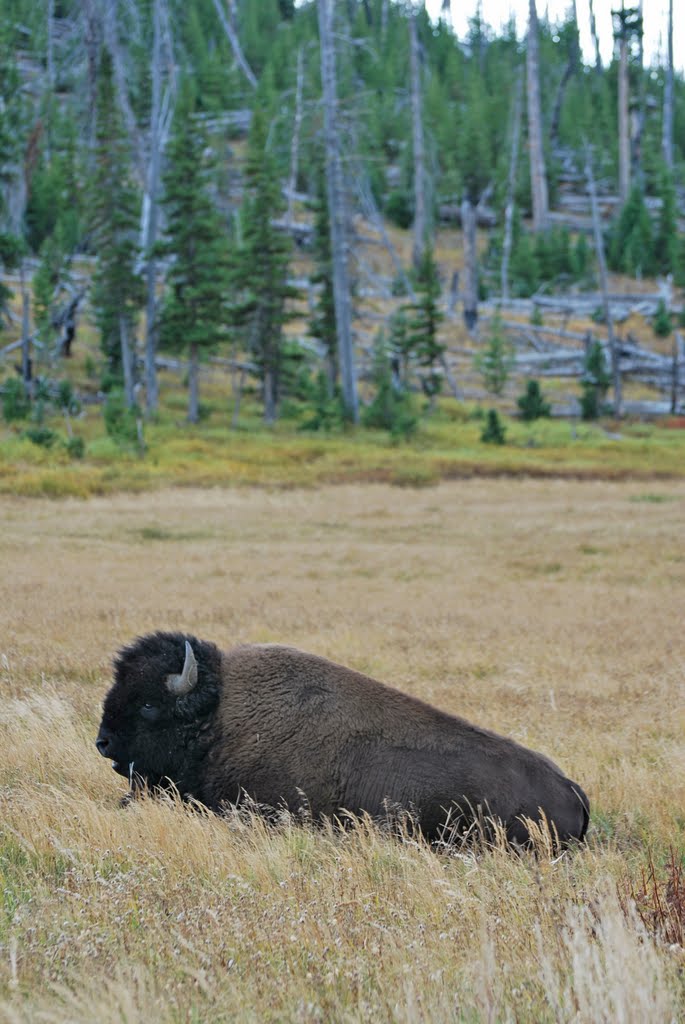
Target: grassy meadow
{"type": "Point", "coordinates": [549, 610]}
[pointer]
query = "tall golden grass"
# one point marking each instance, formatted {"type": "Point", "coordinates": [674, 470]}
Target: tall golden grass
{"type": "Point", "coordinates": [549, 611]}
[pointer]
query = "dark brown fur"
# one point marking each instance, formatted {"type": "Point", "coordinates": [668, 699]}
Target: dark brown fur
{"type": "Point", "coordinates": [292, 729]}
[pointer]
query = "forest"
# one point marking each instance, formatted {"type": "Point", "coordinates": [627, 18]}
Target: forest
{"type": "Point", "coordinates": [333, 214]}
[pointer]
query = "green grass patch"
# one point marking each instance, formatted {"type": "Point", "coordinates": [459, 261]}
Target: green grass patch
{"type": "Point", "coordinates": [447, 446]}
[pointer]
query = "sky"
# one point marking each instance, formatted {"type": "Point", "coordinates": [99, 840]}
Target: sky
{"type": "Point", "coordinates": [498, 12]}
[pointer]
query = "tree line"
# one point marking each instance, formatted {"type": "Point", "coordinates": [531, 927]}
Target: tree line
{"type": "Point", "coordinates": [189, 149]}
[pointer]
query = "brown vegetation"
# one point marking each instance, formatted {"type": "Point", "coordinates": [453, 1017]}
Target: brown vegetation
{"type": "Point", "coordinates": [550, 611]}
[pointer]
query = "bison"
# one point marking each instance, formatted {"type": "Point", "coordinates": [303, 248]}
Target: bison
{"type": "Point", "coordinates": [290, 729]}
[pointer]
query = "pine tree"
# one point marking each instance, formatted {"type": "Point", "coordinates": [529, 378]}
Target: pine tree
{"type": "Point", "coordinates": [11, 245]}
{"type": "Point", "coordinates": [114, 205]}
{"type": "Point", "coordinates": [666, 239]}
{"type": "Point", "coordinates": [631, 249]}
{"type": "Point", "coordinates": [594, 382]}
{"type": "Point", "coordinates": [496, 361]}
{"type": "Point", "coordinates": [194, 310]}
{"type": "Point", "coordinates": [262, 275]}
{"type": "Point", "coordinates": [422, 329]}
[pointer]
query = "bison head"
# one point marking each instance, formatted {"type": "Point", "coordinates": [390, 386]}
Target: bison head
{"type": "Point", "coordinates": [165, 687]}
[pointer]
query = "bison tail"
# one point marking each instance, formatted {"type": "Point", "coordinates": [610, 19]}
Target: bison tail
{"type": "Point", "coordinates": [585, 807]}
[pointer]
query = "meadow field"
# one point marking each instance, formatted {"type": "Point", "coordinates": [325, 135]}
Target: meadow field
{"type": "Point", "coordinates": [549, 610]}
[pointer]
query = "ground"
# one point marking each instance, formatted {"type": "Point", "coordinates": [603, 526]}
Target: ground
{"type": "Point", "coordinates": [548, 610]}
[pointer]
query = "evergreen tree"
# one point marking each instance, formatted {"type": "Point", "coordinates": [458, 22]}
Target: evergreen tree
{"type": "Point", "coordinates": [631, 249]}
{"type": "Point", "coordinates": [496, 361]}
{"type": "Point", "coordinates": [594, 382]}
{"type": "Point", "coordinates": [11, 245]}
{"type": "Point", "coordinates": [391, 407]}
{"type": "Point", "coordinates": [193, 315]}
{"type": "Point", "coordinates": [114, 206]}
{"type": "Point", "coordinates": [424, 318]}
{"type": "Point", "coordinates": [532, 404]}
{"type": "Point", "coordinates": [666, 238]}
{"type": "Point", "coordinates": [262, 273]}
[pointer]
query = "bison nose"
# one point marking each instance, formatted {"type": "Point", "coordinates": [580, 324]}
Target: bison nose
{"type": "Point", "coordinates": [103, 743]}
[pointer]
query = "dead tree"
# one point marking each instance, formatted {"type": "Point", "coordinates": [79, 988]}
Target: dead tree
{"type": "Point", "coordinates": [667, 123]}
{"type": "Point", "coordinates": [595, 39]}
{"type": "Point", "coordinates": [569, 70]}
{"type": "Point", "coordinates": [232, 37]}
{"type": "Point", "coordinates": [160, 118]}
{"type": "Point", "coordinates": [627, 25]}
{"type": "Point", "coordinates": [601, 263]}
{"type": "Point", "coordinates": [127, 361]}
{"type": "Point", "coordinates": [538, 170]}
{"type": "Point", "coordinates": [295, 141]}
{"type": "Point", "coordinates": [26, 364]}
{"type": "Point", "coordinates": [337, 211]}
{"type": "Point", "coordinates": [111, 33]}
{"type": "Point", "coordinates": [470, 290]}
{"type": "Point", "coordinates": [511, 187]}
{"type": "Point", "coordinates": [420, 223]}
{"type": "Point", "coordinates": [678, 351]}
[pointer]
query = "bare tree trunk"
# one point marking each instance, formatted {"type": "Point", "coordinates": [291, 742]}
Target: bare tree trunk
{"type": "Point", "coordinates": [193, 384]}
{"type": "Point", "coordinates": [50, 67]}
{"type": "Point", "coordinates": [121, 84]}
{"type": "Point", "coordinates": [235, 44]}
{"type": "Point", "coordinates": [675, 383]}
{"type": "Point", "coordinates": [238, 384]}
{"type": "Point", "coordinates": [337, 212]}
{"type": "Point", "coordinates": [667, 124]}
{"type": "Point", "coordinates": [601, 263]}
{"type": "Point", "coordinates": [127, 361]}
{"type": "Point", "coordinates": [511, 187]}
{"type": "Point", "coordinates": [295, 141]}
{"type": "Point", "coordinates": [269, 396]}
{"type": "Point", "coordinates": [372, 213]}
{"type": "Point", "coordinates": [92, 40]}
{"type": "Point", "coordinates": [623, 122]}
{"type": "Point", "coordinates": [468, 223]}
{"type": "Point", "coordinates": [569, 70]}
{"type": "Point", "coordinates": [26, 365]}
{"type": "Point", "coordinates": [638, 120]}
{"type": "Point", "coordinates": [595, 38]}
{"type": "Point", "coordinates": [420, 238]}
{"type": "Point", "coordinates": [538, 170]}
{"type": "Point", "coordinates": [150, 230]}
{"type": "Point", "coordinates": [384, 21]}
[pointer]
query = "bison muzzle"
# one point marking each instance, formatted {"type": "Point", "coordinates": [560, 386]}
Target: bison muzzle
{"type": "Point", "coordinates": [290, 729]}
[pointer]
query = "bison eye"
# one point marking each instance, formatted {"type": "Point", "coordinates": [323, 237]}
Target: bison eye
{"type": "Point", "coordinates": [149, 712]}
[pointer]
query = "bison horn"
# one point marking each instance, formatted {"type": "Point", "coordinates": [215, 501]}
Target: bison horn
{"type": "Point", "coordinates": [180, 685]}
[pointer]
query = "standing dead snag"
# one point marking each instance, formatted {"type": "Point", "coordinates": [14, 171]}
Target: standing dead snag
{"type": "Point", "coordinates": [337, 209]}
{"type": "Point", "coordinates": [538, 170]}
{"type": "Point", "coordinates": [420, 224]}
{"type": "Point", "coordinates": [601, 263]}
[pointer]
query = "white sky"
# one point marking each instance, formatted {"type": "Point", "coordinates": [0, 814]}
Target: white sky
{"type": "Point", "coordinates": [498, 12]}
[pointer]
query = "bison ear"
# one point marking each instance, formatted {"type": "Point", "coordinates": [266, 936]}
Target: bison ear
{"type": "Point", "coordinates": [183, 684]}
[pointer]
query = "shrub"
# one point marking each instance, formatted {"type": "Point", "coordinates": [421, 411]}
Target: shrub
{"type": "Point", "coordinates": [15, 401]}
{"type": "Point", "coordinates": [661, 322]}
{"type": "Point", "coordinates": [328, 413]}
{"type": "Point", "coordinates": [494, 431]}
{"type": "Point", "coordinates": [76, 447]}
{"type": "Point", "coordinates": [531, 403]}
{"type": "Point", "coordinates": [120, 419]}
{"type": "Point", "coordinates": [41, 435]}
{"type": "Point", "coordinates": [398, 208]}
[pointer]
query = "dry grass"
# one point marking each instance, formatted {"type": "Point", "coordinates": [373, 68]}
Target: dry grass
{"type": "Point", "coordinates": [551, 611]}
